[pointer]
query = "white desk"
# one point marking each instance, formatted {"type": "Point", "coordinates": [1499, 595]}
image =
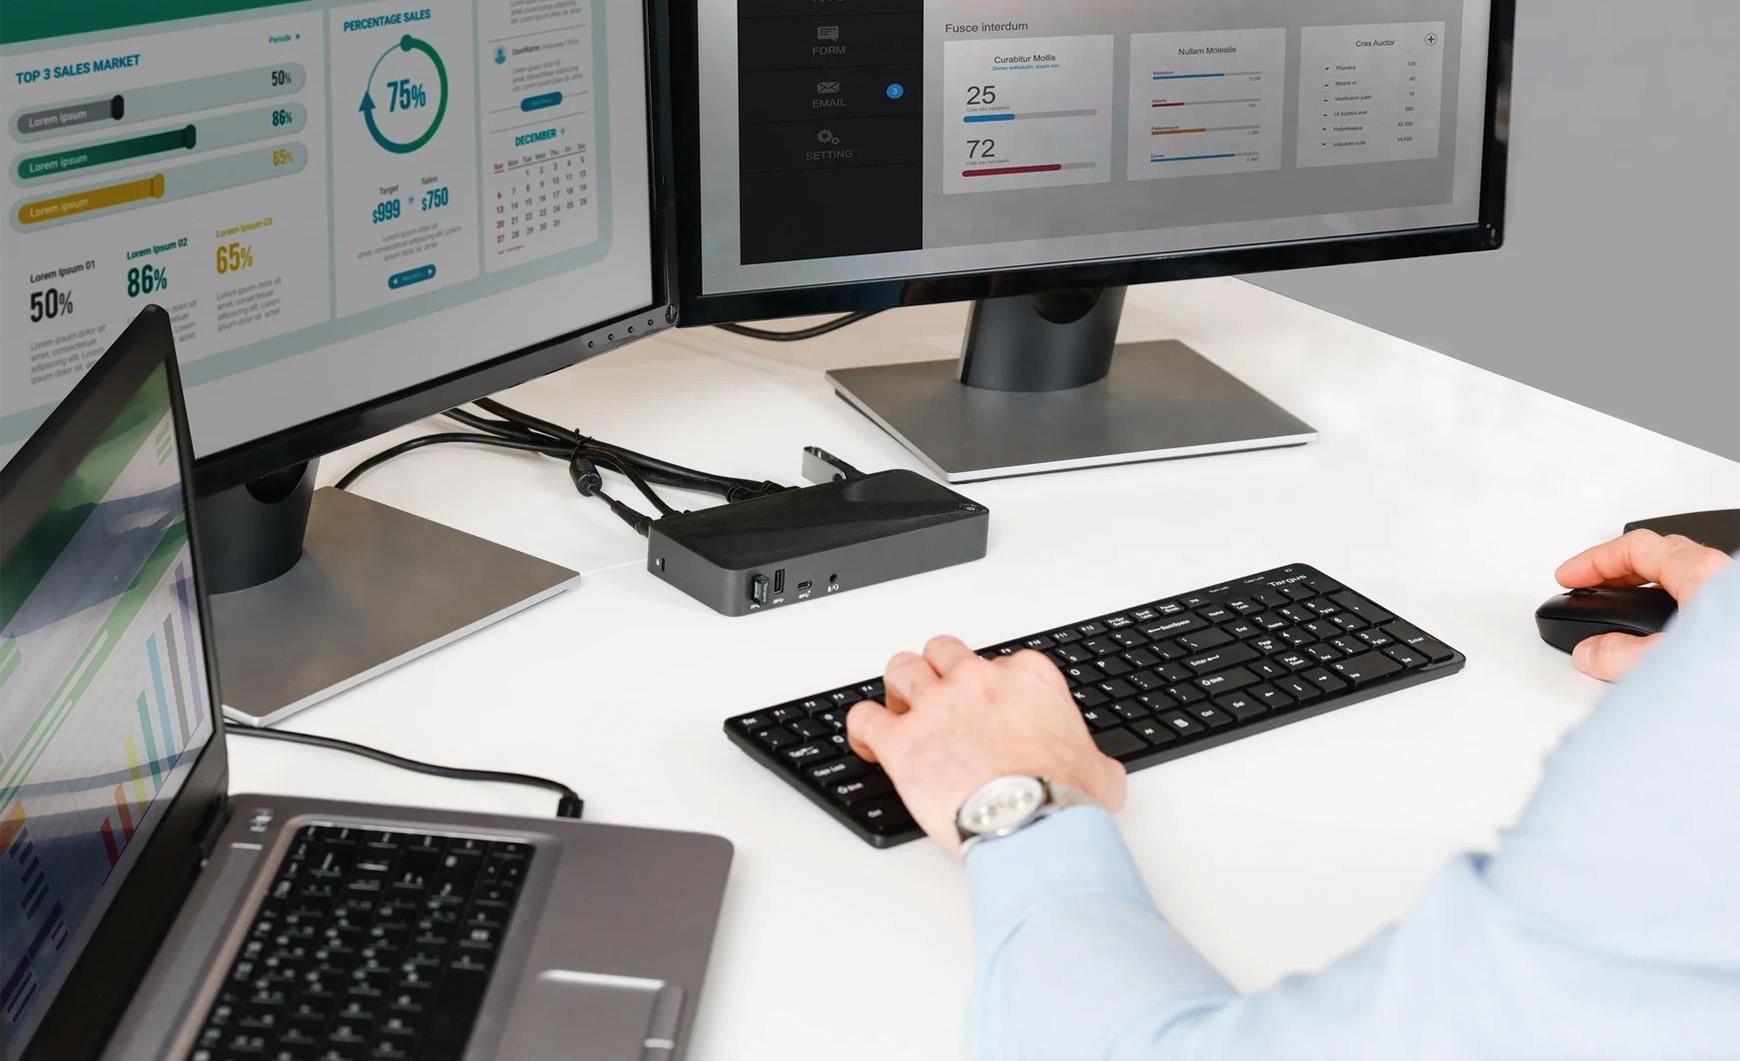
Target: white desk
{"type": "Point", "coordinates": [1445, 492]}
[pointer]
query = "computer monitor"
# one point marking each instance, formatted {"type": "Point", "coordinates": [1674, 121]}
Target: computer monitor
{"type": "Point", "coordinates": [863, 154]}
{"type": "Point", "coordinates": [356, 215]}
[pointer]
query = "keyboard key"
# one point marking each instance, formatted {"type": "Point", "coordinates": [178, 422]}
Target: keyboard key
{"type": "Point", "coordinates": [1157, 701]}
{"type": "Point", "coordinates": [1226, 681]}
{"type": "Point", "coordinates": [1117, 688]}
{"type": "Point", "coordinates": [1419, 641]}
{"type": "Point", "coordinates": [1203, 640]}
{"type": "Point", "coordinates": [1363, 670]}
{"type": "Point", "coordinates": [1100, 717]}
{"type": "Point", "coordinates": [1406, 656]}
{"type": "Point", "coordinates": [883, 817]}
{"type": "Point", "coordinates": [859, 789]}
{"type": "Point", "coordinates": [1119, 743]}
{"type": "Point", "coordinates": [1325, 681]}
{"type": "Point", "coordinates": [1271, 697]}
{"type": "Point", "coordinates": [1242, 706]}
{"type": "Point", "coordinates": [1083, 674]}
{"type": "Point", "coordinates": [810, 728]}
{"type": "Point", "coordinates": [1130, 710]}
{"type": "Point", "coordinates": [1361, 607]}
{"type": "Point", "coordinates": [1210, 715]}
{"type": "Point", "coordinates": [1182, 724]}
{"type": "Point", "coordinates": [838, 770]}
{"type": "Point", "coordinates": [1114, 666]}
{"type": "Point", "coordinates": [1141, 657]}
{"type": "Point", "coordinates": [776, 738]}
{"type": "Point", "coordinates": [1089, 697]}
{"type": "Point", "coordinates": [1153, 731]}
{"type": "Point", "coordinates": [1185, 693]}
{"type": "Point", "coordinates": [804, 754]}
{"type": "Point", "coordinates": [1220, 658]}
{"type": "Point", "coordinates": [1172, 626]}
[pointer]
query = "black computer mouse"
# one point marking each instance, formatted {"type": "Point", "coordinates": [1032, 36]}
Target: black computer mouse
{"type": "Point", "coordinates": [1570, 617]}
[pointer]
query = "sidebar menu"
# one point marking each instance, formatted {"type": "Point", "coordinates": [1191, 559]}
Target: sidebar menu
{"type": "Point", "coordinates": [830, 127]}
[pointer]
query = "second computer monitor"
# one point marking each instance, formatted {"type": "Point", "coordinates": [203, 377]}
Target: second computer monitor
{"type": "Point", "coordinates": [891, 152]}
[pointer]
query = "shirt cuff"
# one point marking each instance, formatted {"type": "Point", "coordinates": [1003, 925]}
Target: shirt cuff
{"type": "Point", "coordinates": [1075, 851]}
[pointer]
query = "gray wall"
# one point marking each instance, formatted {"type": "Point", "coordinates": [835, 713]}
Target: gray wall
{"type": "Point", "coordinates": [1619, 283]}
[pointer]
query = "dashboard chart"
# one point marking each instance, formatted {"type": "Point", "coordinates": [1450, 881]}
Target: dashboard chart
{"type": "Point", "coordinates": [1033, 113]}
{"type": "Point", "coordinates": [1370, 93]}
{"type": "Point", "coordinates": [288, 177]}
{"type": "Point", "coordinates": [1204, 103]}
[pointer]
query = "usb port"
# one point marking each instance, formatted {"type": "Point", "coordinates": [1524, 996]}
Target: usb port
{"type": "Point", "coordinates": [758, 589]}
{"type": "Point", "coordinates": [804, 586]}
{"type": "Point", "coordinates": [779, 581]}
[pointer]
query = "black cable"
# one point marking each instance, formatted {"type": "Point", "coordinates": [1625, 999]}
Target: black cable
{"type": "Point", "coordinates": [478, 439]}
{"type": "Point", "coordinates": [800, 334]}
{"type": "Point", "coordinates": [547, 447]}
{"type": "Point", "coordinates": [653, 469]}
{"type": "Point", "coordinates": [568, 803]}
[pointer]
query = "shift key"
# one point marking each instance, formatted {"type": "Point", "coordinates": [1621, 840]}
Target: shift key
{"type": "Point", "coordinates": [1230, 680]}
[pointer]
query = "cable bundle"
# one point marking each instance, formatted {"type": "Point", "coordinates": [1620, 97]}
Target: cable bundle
{"type": "Point", "coordinates": [509, 428]}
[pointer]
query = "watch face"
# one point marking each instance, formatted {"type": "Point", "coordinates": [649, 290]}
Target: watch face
{"type": "Point", "coordinates": [1002, 805]}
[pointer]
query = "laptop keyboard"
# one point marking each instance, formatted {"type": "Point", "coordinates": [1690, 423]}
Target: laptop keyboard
{"type": "Point", "coordinates": [370, 945]}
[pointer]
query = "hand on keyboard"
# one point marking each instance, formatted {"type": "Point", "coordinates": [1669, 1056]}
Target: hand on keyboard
{"type": "Point", "coordinates": [954, 721]}
{"type": "Point", "coordinates": [1675, 563]}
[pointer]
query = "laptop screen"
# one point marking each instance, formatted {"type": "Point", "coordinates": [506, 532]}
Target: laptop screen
{"type": "Point", "coordinates": [103, 697]}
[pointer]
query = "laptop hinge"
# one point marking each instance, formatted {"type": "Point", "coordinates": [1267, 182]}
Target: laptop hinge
{"type": "Point", "coordinates": [212, 828]}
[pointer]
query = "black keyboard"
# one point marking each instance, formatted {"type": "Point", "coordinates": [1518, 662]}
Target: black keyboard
{"type": "Point", "coordinates": [369, 945]}
{"type": "Point", "coordinates": [1154, 682]}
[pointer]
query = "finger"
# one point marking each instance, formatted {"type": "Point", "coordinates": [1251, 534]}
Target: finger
{"type": "Point", "coordinates": [947, 653]}
{"type": "Point", "coordinates": [1609, 656]}
{"type": "Point", "coordinates": [1040, 667]}
{"type": "Point", "coordinates": [908, 677]}
{"type": "Point", "coordinates": [867, 726]}
{"type": "Point", "coordinates": [1678, 564]}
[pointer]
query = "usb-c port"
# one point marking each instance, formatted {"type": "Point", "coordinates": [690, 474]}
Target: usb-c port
{"type": "Point", "coordinates": [802, 586]}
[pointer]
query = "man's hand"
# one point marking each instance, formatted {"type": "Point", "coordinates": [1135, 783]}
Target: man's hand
{"type": "Point", "coordinates": [1675, 563]}
{"type": "Point", "coordinates": [954, 721]}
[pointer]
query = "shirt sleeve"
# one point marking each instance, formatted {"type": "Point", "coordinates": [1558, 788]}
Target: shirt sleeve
{"type": "Point", "coordinates": [1606, 925]}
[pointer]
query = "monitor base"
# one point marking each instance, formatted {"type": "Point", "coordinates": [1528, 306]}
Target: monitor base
{"type": "Point", "coordinates": [1159, 401]}
{"type": "Point", "coordinates": [375, 588]}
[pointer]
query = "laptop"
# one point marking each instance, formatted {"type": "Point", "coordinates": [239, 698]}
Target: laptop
{"type": "Point", "coordinates": [146, 912]}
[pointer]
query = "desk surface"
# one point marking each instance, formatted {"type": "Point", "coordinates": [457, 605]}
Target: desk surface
{"type": "Point", "coordinates": [1444, 491]}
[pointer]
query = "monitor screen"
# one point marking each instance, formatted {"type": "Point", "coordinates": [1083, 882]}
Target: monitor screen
{"type": "Point", "coordinates": [103, 696]}
{"type": "Point", "coordinates": [890, 139]}
{"type": "Point", "coordinates": [335, 201]}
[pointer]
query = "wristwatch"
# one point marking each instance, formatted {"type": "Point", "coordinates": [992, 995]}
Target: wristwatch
{"type": "Point", "coordinates": [1009, 804]}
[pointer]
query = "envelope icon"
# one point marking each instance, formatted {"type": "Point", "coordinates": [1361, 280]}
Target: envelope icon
{"type": "Point", "coordinates": [827, 88]}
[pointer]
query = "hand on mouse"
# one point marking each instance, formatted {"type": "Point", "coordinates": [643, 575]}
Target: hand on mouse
{"type": "Point", "coordinates": [1638, 558]}
{"type": "Point", "coordinates": [954, 721]}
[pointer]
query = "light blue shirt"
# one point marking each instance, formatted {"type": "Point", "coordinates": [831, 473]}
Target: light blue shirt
{"type": "Point", "coordinates": [1607, 924]}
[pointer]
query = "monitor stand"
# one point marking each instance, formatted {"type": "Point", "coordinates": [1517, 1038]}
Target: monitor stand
{"type": "Point", "coordinates": [1037, 389]}
{"type": "Point", "coordinates": [314, 591]}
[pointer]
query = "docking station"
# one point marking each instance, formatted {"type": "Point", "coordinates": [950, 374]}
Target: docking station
{"type": "Point", "coordinates": [847, 531]}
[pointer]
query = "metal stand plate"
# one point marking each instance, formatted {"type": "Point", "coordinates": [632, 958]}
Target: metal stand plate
{"type": "Point", "coordinates": [1162, 400]}
{"type": "Point", "coordinates": [376, 587]}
